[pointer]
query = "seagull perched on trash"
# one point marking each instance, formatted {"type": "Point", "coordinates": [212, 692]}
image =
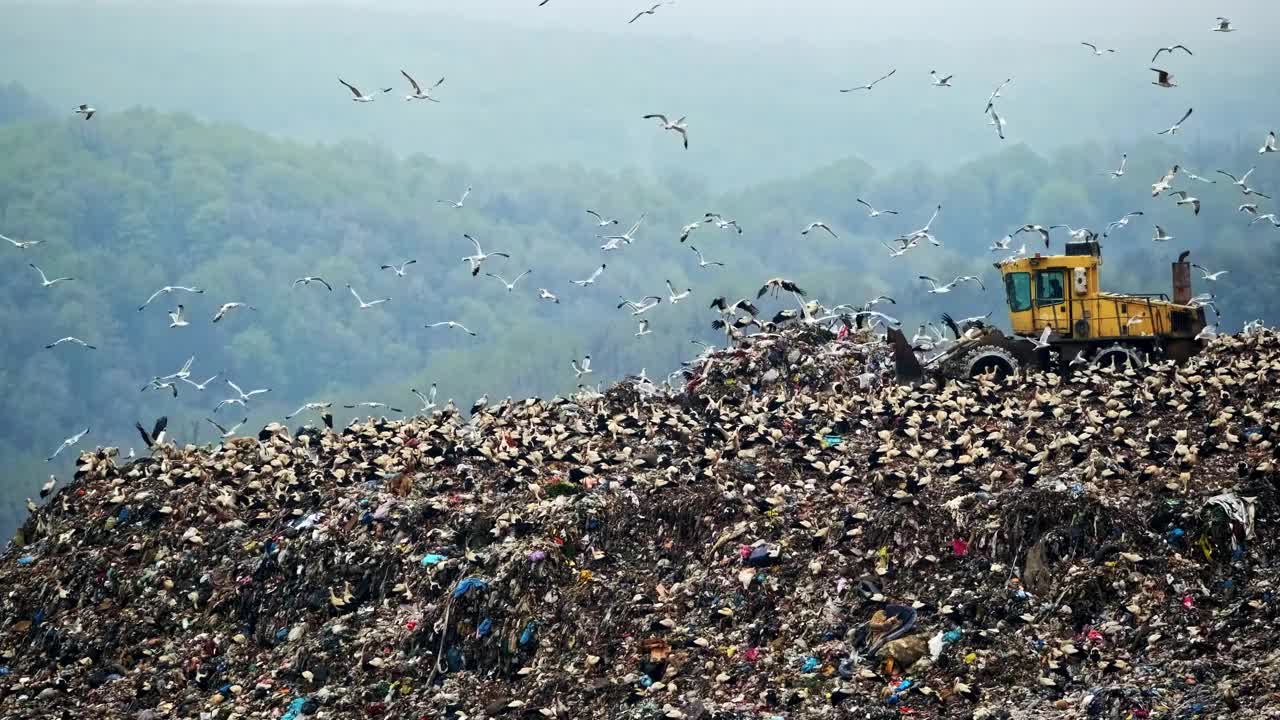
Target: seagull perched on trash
{"type": "Point", "coordinates": [450, 324]}
{"type": "Point", "coordinates": [583, 369]}
{"type": "Point", "coordinates": [1173, 129]}
{"type": "Point", "coordinates": [398, 269]}
{"type": "Point", "coordinates": [1170, 50]}
{"type": "Point", "coordinates": [1163, 78]}
{"type": "Point", "coordinates": [1095, 49]}
{"type": "Point", "coordinates": [702, 261]}
{"type": "Point", "coordinates": [359, 96]}
{"type": "Point", "coordinates": [228, 307]}
{"type": "Point", "coordinates": [886, 76]}
{"type": "Point", "coordinates": [167, 289]}
{"type": "Point", "coordinates": [366, 305]}
{"type": "Point", "coordinates": [819, 225]}
{"type": "Point", "coordinates": [679, 126]}
{"type": "Point", "coordinates": [44, 279]}
{"type": "Point", "coordinates": [872, 212]}
{"type": "Point", "coordinates": [21, 244]}
{"type": "Point", "coordinates": [418, 93]}
{"type": "Point", "coordinates": [940, 81]}
{"type": "Point", "coordinates": [592, 279]}
{"type": "Point", "coordinates": [511, 286]}
{"type": "Point", "coordinates": [1185, 199]}
{"type": "Point", "coordinates": [312, 279]}
{"type": "Point", "coordinates": [47, 488]}
{"type": "Point", "coordinates": [73, 340]}
{"type": "Point", "coordinates": [69, 442]}
{"type": "Point", "coordinates": [937, 289]}
{"type": "Point", "coordinates": [478, 259]}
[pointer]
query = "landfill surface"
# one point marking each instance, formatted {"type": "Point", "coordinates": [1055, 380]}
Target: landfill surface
{"type": "Point", "coordinates": [787, 534]}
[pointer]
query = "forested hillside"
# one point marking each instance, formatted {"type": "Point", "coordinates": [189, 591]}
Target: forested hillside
{"type": "Point", "coordinates": [136, 200]}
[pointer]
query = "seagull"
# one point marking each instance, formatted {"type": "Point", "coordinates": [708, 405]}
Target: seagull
{"type": "Point", "coordinates": [943, 289]}
{"type": "Point", "coordinates": [1095, 49]}
{"type": "Point", "coordinates": [21, 244]}
{"type": "Point", "coordinates": [545, 294]}
{"type": "Point", "coordinates": [1119, 172]}
{"type": "Point", "coordinates": [722, 224]}
{"type": "Point", "coordinates": [1135, 320]}
{"type": "Point", "coordinates": [170, 289]}
{"type": "Point", "coordinates": [247, 396]}
{"type": "Point", "coordinates": [176, 320]}
{"type": "Point", "coordinates": [510, 285]}
{"type": "Point", "coordinates": [1193, 176]}
{"type": "Point", "coordinates": [1242, 182]}
{"type": "Point", "coordinates": [591, 280]}
{"type": "Point", "coordinates": [310, 279]}
{"type": "Point", "coordinates": [160, 384]}
{"type": "Point", "coordinates": [629, 236]}
{"type": "Point", "coordinates": [600, 220]}
{"type": "Point", "coordinates": [45, 281]}
{"type": "Point", "coordinates": [232, 401]}
{"type": "Point", "coordinates": [228, 307]}
{"type": "Point", "coordinates": [183, 372]}
{"type": "Point", "coordinates": [1210, 276]}
{"type": "Point", "coordinates": [1270, 217]}
{"type": "Point", "coordinates": [1077, 235]}
{"type": "Point", "coordinates": [926, 231]}
{"type": "Point", "coordinates": [47, 488]}
{"type": "Point", "coordinates": [1224, 25]}
{"type": "Point", "coordinates": [359, 96]}
{"type": "Point", "coordinates": [940, 81]}
{"type": "Point", "coordinates": [1170, 50]}
{"type": "Point", "coordinates": [1270, 145]}
{"type": "Point", "coordinates": [1044, 232]}
{"type": "Point", "coordinates": [1185, 199]}
{"type": "Point", "coordinates": [1159, 235]}
{"type": "Point", "coordinates": [872, 212]}
{"type": "Point", "coordinates": [366, 305]}
{"type": "Point", "coordinates": [651, 11]}
{"type": "Point", "coordinates": [677, 297]}
{"type": "Point", "coordinates": [372, 405]}
{"type": "Point", "coordinates": [68, 443]}
{"type": "Point", "coordinates": [991, 101]}
{"type": "Point", "coordinates": [1174, 129]}
{"type": "Point", "coordinates": [156, 436]}
{"type": "Point", "coordinates": [1165, 182]}
{"type": "Point", "coordinates": [647, 303]}
{"type": "Point", "coordinates": [776, 285]}
{"type": "Point", "coordinates": [611, 245]}
{"type": "Point", "coordinates": [226, 432]}
{"type": "Point", "coordinates": [583, 369]}
{"type": "Point", "coordinates": [428, 401]}
{"type": "Point", "coordinates": [200, 387]}
{"type": "Point", "coordinates": [688, 230]}
{"type": "Point", "coordinates": [644, 328]}
{"type": "Point", "coordinates": [702, 261]}
{"type": "Point", "coordinates": [997, 121]}
{"type": "Point", "coordinates": [1208, 333]}
{"type": "Point", "coordinates": [74, 340]}
{"type": "Point", "coordinates": [679, 126]}
{"type": "Point", "coordinates": [85, 110]}
{"type": "Point", "coordinates": [316, 406]}
{"type": "Point", "coordinates": [819, 225]}
{"type": "Point", "coordinates": [1163, 78]}
{"type": "Point", "coordinates": [899, 252]}
{"type": "Point", "coordinates": [1001, 244]}
{"type": "Point", "coordinates": [458, 204]}
{"type": "Point", "coordinates": [479, 404]}
{"type": "Point", "coordinates": [1251, 208]}
{"type": "Point", "coordinates": [450, 324]}
{"type": "Point", "coordinates": [886, 76]}
{"type": "Point", "coordinates": [398, 269]}
{"type": "Point", "coordinates": [1043, 342]}
{"type": "Point", "coordinates": [478, 259]}
{"type": "Point", "coordinates": [418, 94]}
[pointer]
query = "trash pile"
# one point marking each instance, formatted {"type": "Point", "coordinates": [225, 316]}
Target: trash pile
{"type": "Point", "coordinates": [787, 536]}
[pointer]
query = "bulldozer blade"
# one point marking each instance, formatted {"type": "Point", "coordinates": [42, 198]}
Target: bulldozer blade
{"type": "Point", "coordinates": [908, 368]}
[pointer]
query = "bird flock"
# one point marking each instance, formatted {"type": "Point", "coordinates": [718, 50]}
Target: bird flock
{"type": "Point", "coordinates": [732, 316]}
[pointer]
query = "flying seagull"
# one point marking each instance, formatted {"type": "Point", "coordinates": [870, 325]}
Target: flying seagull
{"type": "Point", "coordinates": [545, 294]}
{"type": "Point", "coordinates": [1095, 49]}
{"type": "Point", "coordinates": [68, 443]}
{"type": "Point", "coordinates": [228, 307]}
{"type": "Point", "coordinates": [1043, 342]}
{"type": "Point", "coordinates": [316, 406]}
{"type": "Point", "coordinates": [1270, 145]}
{"type": "Point", "coordinates": [1243, 182]}
{"type": "Point", "coordinates": [1223, 25]}
{"type": "Point", "coordinates": [1044, 232]}
{"type": "Point", "coordinates": [372, 405]}
{"type": "Point", "coordinates": [600, 220]}
{"type": "Point", "coordinates": [366, 305]}
{"type": "Point", "coordinates": [170, 289]}
{"type": "Point", "coordinates": [1185, 199]}
{"type": "Point", "coordinates": [156, 435]}
{"type": "Point", "coordinates": [246, 396]}
{"type": "Point", "coordinates": [176, 319]}
{"type": "Point", "coordinates": [1119, 172]}
{"type": "Point", "coordinates": [940, 81]}
{"type": "Point", "coordinates": [592, 279]}
{"type": "Point", "coordinates": [645, 304]}
{"type": "Point", "coordinates": [199, 386]}
{"type": "Point", "coordinates": [428, 401]}
{"type": "Point", "coordinates": [359, 96]}
{"type": "Point", "coordinates": [478, 259]}
{"type": "Point", "coordinates": [688, 229]}
{"type": "Point", "coordinates": [1173, 130]}
{"type": "Point", "coordinates": [702, 261]}
{"type": "Point", "coordinates": [679, 126]}
{"type": "Point", "coordinates": [1251, 208]}
{"type": "Point", "coordinates": [998, 121]}
{"type": "Point", "coordinates": [776, 285]}
{"type": "Point", "coordinates": [886, 76]}
{"type": "Point", "coordinates": [74, 340]}
{"type": "Point", "coordinates": [1170, 50]}
{"type": "Point", "coordinates": [926, 231]}
{"type": "Point", "coordinates": [21, 244]}
{"type": "Point", "coordinates": [511, 286]}
{"type": "Point", "coordinates": [872, 212]}
{"type": "Point", "coordinates": [644, 328]}
{"type": "Point", "coordinates": [943, 289]}
{"type": "Point", "coordinates": [45, 281]}
{"type": "Point", "coordinates": [458, 203]}
{"type": "Point", "coordinates": [991, 101]}
{"type": "Point", "coordinates": [226, 432]}
{"type": "Point", "coordinates": [583, 369]}
{"type": "Point", "coordinates": [159, 384]}
{"type": "Point", "coordinates": [677, 297]}
{"type": "Point", "coordinates": [1166, 181]}
{"type": "Point", "coordinates": [1159, 235]}
{"type": "Point", "coordinates": [398, 269]}
{"type": "Point", "coordinates": [721, 223]}
{"type": "Point", "coordinates": [1193, 176]}
{"type": "Point", "coordinates": [450, 324]}
{"type": "Point", "coordinates": [651, 11]}
{"type": "Point", "coordinates": [418, 93]}
{"type": "Point", "coordinates": [1210, 276]}
{"type": "Point", "coordinates": [85, 110]}
{"type": "Point", "coordinates": [1123, 221]}
{"type": "Point", "coordinates": [819, 225]}
{"type": "Point", "coordinates": [310, 279]}
{"type": "Point", "coordinates": [1163, 78]}
{"type": "Point", "coordinates": [629, 236]}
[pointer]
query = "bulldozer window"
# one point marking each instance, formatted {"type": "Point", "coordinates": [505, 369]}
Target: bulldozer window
{"type": "Point", "coordinates": [1049, 287]}
{"type": "Point", "coordinates": [1017, 291]}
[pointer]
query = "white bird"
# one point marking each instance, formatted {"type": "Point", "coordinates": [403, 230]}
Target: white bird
{"type": "Point", "coordinates": [592, 279]}
{"type": "Point", "coordinates": [161, 384]}
{"type": "Point", "coordinates": [227, 432]}
{"type": "Point", "coordinates": [459, 202]}
{"type": "Point", "coordinates": [644, 328]}
{"type": "Point", "coordinates": [872, 212]}
{"type": "Point", "coordinates": [47, 488]}
{"type": "Point", "coordinates": [74, 340]}
{"type": "Point", "coordinates": [991, 101]}
{"type": "Point", "coordinates": [176, 320]}
{"type": "Point", "coordinates": [1095, 49]}
{"type": "Point", "coordinates": [679, 126]}
{"type": "Point", "coordinates": [629, 236]}
{"type": "Point", "coordinates": [478, 259]}
{"type": "Point", "coordinates": [721, 223]}
{"type": "Point", "coordinates": [359, 96]}
{"type": "Point", "coordinates": [510, 285]}
{"type": "Point", "coordinates": [200, 387]}
{"type": "Point", "coordinates": [1269, 217]}
{"type": "Point", "coordinates": [1042, 230]}
{"type": "Point", "coordinates": [450, 324]}
{"type": "Point", "coordinates": [183, 372]}
{"type": "Point", "coordinates": [21, 244]}
{"type": "Point", "coordinates": [1043, 342]}
{"type": "Point", "coordinates": [228, 307]}
{"type": "Point", "coordinates": [545, 294]}
{"type": "Point", "coordinates": [1135, 320]}
{"type": "Point", "coordinates": [1163, 78]}
{"type": "Point", "coordinates": [418, 93]}
{"type": "Point", "coordinates": [677, 297]}
{"type": "Point", "coordinates": [688, 230]}
{"type": "Point", "coordinates": [1170, 50]}
{"type": "Point", "coordinates": [646, 304]}
{"type": "Point", "coordinates": [1185, 199]}
{"type": "Point", "coordinates": [68, 443]}
{"type": "Point", "coordinates": [940, 81]}
{"type": "Point", "coordinates": [702, 261]}
{"type": "Point", "coordinates": [1224, 25]}
{"type": "Point", "coordinates": [398, 269]}
{"type": "Point", "coordinates": [925, 232]}
{"type": "Point", "coordinates": [1243, 182]}
{"type": "Point", "coordinates": [310, 279]}
{"type": "Point", "coordinates": [1001, 244]}
{"type": "Point", "coordinates": [1251, 208]}
{"type": "Point", "coordinates": [1119, 172]}
{"type": "Point", "coordinates": [366, 305]}
{"type": "Point", "coordinates": [45, 281]}
{"type": "Point", "coordinates": [611, 245]}
{"type": "Point", "coordinates": [247, 396]}
{"type": "Point", "coordinates": [584, 368]}
{"type": "Point", "coordinates": [167, 289]}
{"type": "Point", "coordinates": [1210, 276]}
{"type": "Point", "coordinates": [942, 289]}
{"type": "Point", "coordinates": [1165, 182]}
{"type": "Point", "coordinates": [1270, 145]}
{"type": "Point", "coordinates": [479, 404]}
{"type": "Point", "coordinates": [372, 405]}
{"type": "Point", "coordinates": [233, 401]}
{"type": "Point", "coordinates": [428, 401]}
{"type": "Point", "coordinates": [886, 76]}
{"type": "Point", "coordinates": [819, 225]}
{"type": "Point", "coordinates": [600, 219]}
{"type": "Point", "coordinates": [1208, 333]}
{"type": "Point", "coordinates": [1192, 176]}
{"type": "Point", "coordinates": [894, 252]}
{"type": "Point", "coordinates": [1159, 235]}
{"type": "Point", "coordinates": [86, 110]}
{"type": "Point", "coordinates": [316, 406]}
{"type": "Point", "coordinates": [997, 121]}
{"type": "Point", "coordinates": [1173, 129]}
{"type": "Point", "coordinates": [651, 11]}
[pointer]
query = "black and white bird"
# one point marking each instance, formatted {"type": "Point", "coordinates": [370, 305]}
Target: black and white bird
{"type": "Point", "coordinates": [629, 236]}
{"type": "Point", "coordinates": [1209, 276]}
{"type": "Point", "coordinates": [21, 244]}
{"type": "Point", "coordinates": [167, 289]}
{"type": "Point", "coordinates": [1159, 235]}
{"type": "Point", "coordinates": [926, 232]}
{"type": "Point", "coordinates": [677, 297]}
{"type": "Point", "coordinates": [156, 435]}
{"type": "Point", "coordinates": [1170, 50]}
{"type": "Point", "coordinates": [398, 269]}
{"type": "Point", "coordinates": [819, 225]}
{"type": "Point", "coordinates": [177, 319]}
{"type": "Point", "coordinates": [601, 221]}
{"type": "Point", "coordinates": [1269, 217]}
{"type": "Point", "coordinates": [644, 328]}
{"type": "Point", "coordinates": [991, 101]}
{"type": "Point", "coordinates": [47, 488]}
{"type": "Point", "coordinates": [457, 204]}
{"type": "Point", "coordinates": [545, 294]}
{"type": "Point", "coordinates": [359, 96]}
{"type": "Point", "coordinates": [1250, 208]}
{"type": "Point", "coordinates": [1119, 172]}
{"type": "Point", "coordinates": [477, 260]}
{"type": "Point", "coordinates": [1095, 49]}
{"type": "Point", "coordinates": [1165, 182]}
{"type": "Point", "coordinates": [228, 307]}
{"type": "Point", "coordinates": [1270, 145]}
{"type": "Point", "coordinates": [1173, 129]}
{"type": "Point", "coordinates": [1186, 199]}
{"type": "Point", "coordinates": [73, 340]}
{"type": "Point", "coordinates": [1042, 343]}
{"type": "Point", "coordinates": [721, 223]}
{"type": "Point", "coordinates": [313, 279]}
{"type": "Point", "coordinates": [872, 212]}
{"type": "Point", "coordinates": [591, 280]}
{"type": "Point", "coordinates": [679, 126]}
{"type": "Point", "coordinates": [1163, 78]}
{"type": "Point", "coordinates": [702, 261]}
{"type": "Point", "coordinates": [877, 81]}
{"type": "Point", "coordinates": [372, 406]}
{"type": "Point", "coordinates": [199, 386]}
{"type": "Point", "coordinates": [1243, 182]}
{"type": "Point", "coordinates": [232, 401]}
{"type": "Point", "coordinates": [319, 407]}
{"type": "Point", "coordinates": [937, 289]}
{"type": "Point", "coordinates": [1002, 244]}
{"type": "Point", "coordinates": [742, 304]}
{"type": "Point", "coordinates": [68, 443]}
{"type": "Point", "coordinates": [480, 404]}
{"type": "Point", "coordinates": [511, 286]}
{"type": "Point", "coordinates": [226, 432]}
{"type": "Point", "coordinates": [1042, 230]}
{"type": "Point", "coordinates": [644, 305]}
{"type": "Point", "coordinates": [428, 401]}
{"type": "Point", "coordinates": [450, 324]}
{"type": "Point", "coordinates": [247, 396]}
{"type": "Point", "coordinates": [1223, 25]}
{"type": "Point", "coordinates": [366, 305]}
{"type": "Point", "coordinates": [44, 279]}
{"type": "Point", "coordinates": [939, 81]}
{"type": "Point", "coordinates": [580, 370]}
{"type": "Point", "coordinates": [161, 384]}
{"type": "Point", "coordinates": [86, 110]}
{"type": "Point", "coordinates": [687, 230]}
{"type": "Point", "coordinates": [996, 120]}
{"type": "Point", "coordinates": [651, 11]}
{"type": "Point", "coordinates": [418, 93]}
{"type": "Point", "coordinates": [777, 285]}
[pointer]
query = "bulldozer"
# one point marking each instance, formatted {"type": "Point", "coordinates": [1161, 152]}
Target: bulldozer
{"type": "Point", "coordinates": [1060, 317]}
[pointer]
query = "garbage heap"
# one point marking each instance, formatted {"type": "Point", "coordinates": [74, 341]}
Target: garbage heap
{"type": "Point", "coordinates": [786, 537]}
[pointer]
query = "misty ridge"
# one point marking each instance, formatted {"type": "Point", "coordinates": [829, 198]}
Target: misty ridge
{"type": "Point", "coordinates": [226, 155]}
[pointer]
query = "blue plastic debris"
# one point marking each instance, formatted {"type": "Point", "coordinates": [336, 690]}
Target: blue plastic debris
{"type": "Point", "coordinates": [467, 585]}
{"type": "Point", "coordinates": [485, 627]}
{"type": "Point", "coordinates": [432, 559]}
{"type": "Point", "coordinates": [4, 670]}
{"type": "Point", "coordinates": [810, 664]}
{"type": "Point", "coordinates": [832, 440]}
{"type": "Point", "coordinates": [295, 709]}
{"type": "Point", "coordinates": [526, 637]}
{"type": "Point", "coordinates": [645, 681]}
{"type": "Point", "coordinates": [951, 636]}
{"type": "Point", "coordinates": [26, 559]}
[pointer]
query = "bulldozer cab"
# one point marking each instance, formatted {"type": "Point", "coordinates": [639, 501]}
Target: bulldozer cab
{"type": "Point", "coordinates": [1048, 292]}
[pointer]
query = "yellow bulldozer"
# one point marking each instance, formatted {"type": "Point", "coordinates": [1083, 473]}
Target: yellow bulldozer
{"type": "Point", "coordinates": [1060, 317]}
